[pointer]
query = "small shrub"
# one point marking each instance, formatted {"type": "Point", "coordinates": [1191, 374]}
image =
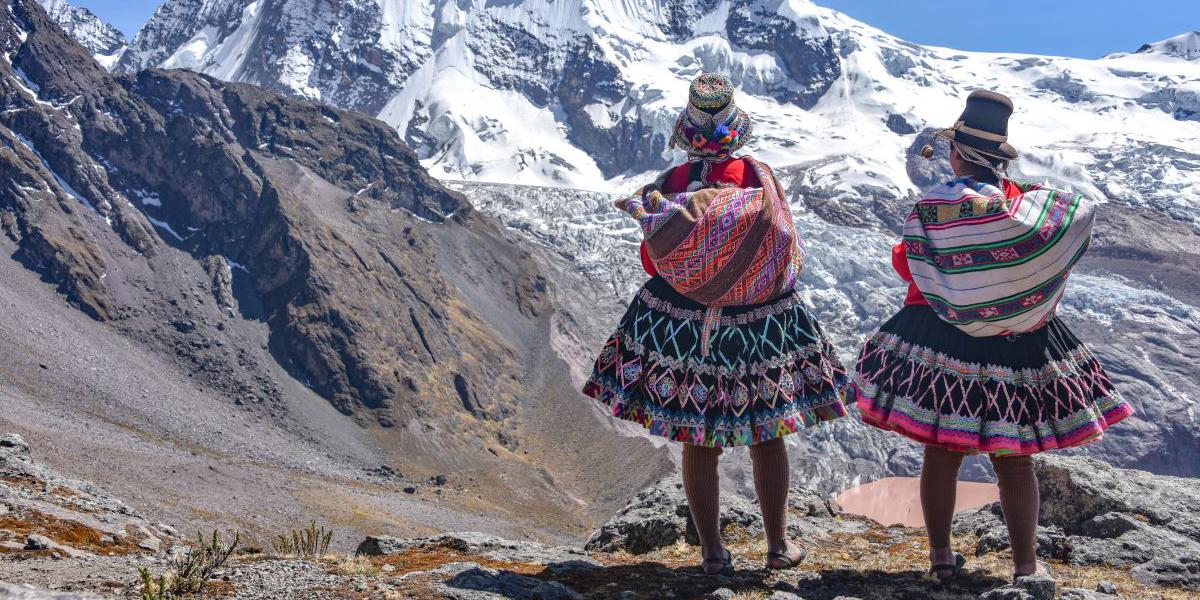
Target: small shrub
{"type": "Point", "coordinates": [310, 542]}
{"type": "Point", "coordinates": [154, 589]}
{"type": "Point", "coordinates": [190, 571]}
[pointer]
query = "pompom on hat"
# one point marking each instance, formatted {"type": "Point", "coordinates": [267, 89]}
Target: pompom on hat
{"type": "Point", "coordinates": [983, 125]}
{"type": "Point", "coordinates": [712, 127]}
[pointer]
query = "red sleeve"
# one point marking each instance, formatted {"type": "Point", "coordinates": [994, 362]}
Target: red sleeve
{"type": "Point", "coordinates": [648, 264]}
{"type": "Point", "coordinates": [747, 177]}
{"type": "Point", "coordinates": [1011, 190]}
{"type": "Point", "coordinates": [900, 262]}
{"type": "Point", "coordinates": [677, 181]}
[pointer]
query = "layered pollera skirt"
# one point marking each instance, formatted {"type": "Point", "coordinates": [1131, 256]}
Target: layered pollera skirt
{"type": "Point", "coordinates": [1020, 394]}
{"type": "Point", "coordinates": [769, 370]}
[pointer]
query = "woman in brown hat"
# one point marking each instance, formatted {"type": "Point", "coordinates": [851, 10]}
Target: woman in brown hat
{"type": "Point", "coordinates": [717, 349]}
{"type": "Point", "coordinates": [976, 360]}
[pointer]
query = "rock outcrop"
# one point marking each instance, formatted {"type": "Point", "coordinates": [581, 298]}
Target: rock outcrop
{"type": "Point", "coordinates": [658, 517]}
{"type": "Point", "coordinates": [43, 513]}
{"type": "Point", "coordinates": [478, 545]}
{"type": "Point", "coordinates": [1095, 514]}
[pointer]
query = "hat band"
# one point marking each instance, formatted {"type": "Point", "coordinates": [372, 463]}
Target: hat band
{"type": "Point", "coordinates": [979, 133]}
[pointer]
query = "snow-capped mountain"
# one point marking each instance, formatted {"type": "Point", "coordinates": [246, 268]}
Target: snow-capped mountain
{"type": "Point", "coordinates": [1185, 46]}
{"type": "Point", "coordinates": [105, 42]}
{"type": "Point", "coordinates": [582, 93]}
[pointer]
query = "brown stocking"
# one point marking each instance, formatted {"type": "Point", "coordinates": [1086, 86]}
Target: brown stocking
{"type": "Point", "coordinates": [771, 473]}
{"type": "Point", "coordinates": [939, 482]}
{"type": "Point", "coordinates": [702, 486]}
{"type": "Point", "coordinates": [1019, 499]}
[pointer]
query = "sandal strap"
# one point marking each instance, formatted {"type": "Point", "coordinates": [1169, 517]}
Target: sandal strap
{"type": "Point", "coordinates": [959, 562]}
{"type": "Point", "coordinates": [727, 558]}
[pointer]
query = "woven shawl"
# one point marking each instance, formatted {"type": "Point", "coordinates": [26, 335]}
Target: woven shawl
{"type": "Point", "coordinates": [722, 246]}
{"type": "Point", "coordinates": [993, 265]}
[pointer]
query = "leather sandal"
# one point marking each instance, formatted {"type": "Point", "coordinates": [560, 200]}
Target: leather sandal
{"type": "Point", "coordinates": [784, 561]}
{"type": "Point", "coordinates": [944, 572]}
{"type": "Point", "coordinates": [722, 565]}
{"type": "Point", "coordinates": [1041, 569]}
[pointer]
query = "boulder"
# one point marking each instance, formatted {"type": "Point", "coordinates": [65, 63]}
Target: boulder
{"type": "Point", "coordinates": [1095, 514]}
{"type": "Point", "coordinates": [1077, 490]}
{"type": "Point", "coordinates": [1180, 570]}
{"type": "Point", "coordinates": [1040, 587]}
{"type": "Point", "coordinates": [778, 595]}
{"type": "Point", "coordinates": [659, 517]}
{"type": "Point", "coordinates": [1006, 593]}
{"type": "Point", "coordinates": [13, 446]}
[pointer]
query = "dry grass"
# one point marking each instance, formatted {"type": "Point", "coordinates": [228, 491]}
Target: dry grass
{"type": "Point", "coordinates": [355, 565]}
{"type": "Point", "coordinates": [23, 522]}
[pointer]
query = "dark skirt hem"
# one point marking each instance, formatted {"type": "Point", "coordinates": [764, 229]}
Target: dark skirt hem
{"type": "Point", "coordinates": [1082, 428]}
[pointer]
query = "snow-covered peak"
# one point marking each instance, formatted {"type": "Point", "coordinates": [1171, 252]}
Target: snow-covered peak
{"type": "Point", "coordinates": [104, 41]}
{"type": "Point", "coordinates": [583, 93]}
{"type": "Point", "coordinates": [1185, 46]}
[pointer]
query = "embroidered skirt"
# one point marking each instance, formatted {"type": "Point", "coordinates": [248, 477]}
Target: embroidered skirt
{"type": "Point", "coordinates": [929, 381]}
{"type": "Point", "coordinates": [769, 370]}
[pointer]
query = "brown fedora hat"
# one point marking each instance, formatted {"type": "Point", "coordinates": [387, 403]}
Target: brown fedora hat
{"type": "Point", "coordinates": [983, 125]}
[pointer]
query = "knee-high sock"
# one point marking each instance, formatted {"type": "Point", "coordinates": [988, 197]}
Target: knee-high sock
{"type": "Point", "coordinates": [703, 488]}
{"type": "Point", "coordinates": [1020, 501]}
{"type": "Point", "coordinates": [939, 481]}
{"type": "Point", "coordinates": [771, 473]}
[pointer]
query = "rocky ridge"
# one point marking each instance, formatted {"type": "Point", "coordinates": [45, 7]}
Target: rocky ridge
{"type": "Point", "coordinates": [644, 551]}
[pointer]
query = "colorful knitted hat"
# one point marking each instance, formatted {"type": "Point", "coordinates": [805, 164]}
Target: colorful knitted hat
{"type": "Point", "coordinates": [712, 127]}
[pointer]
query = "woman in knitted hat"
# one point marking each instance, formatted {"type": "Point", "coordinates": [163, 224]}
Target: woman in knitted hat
{"type": "Point", "coordinates": [976, 361]}
{"type": "Point", "coordinates": [717, 349]}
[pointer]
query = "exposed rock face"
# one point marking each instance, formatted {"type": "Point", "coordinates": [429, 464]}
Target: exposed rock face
{"type": "Point", "coordinates": [802, 46]}
{"type": "Point", "coordinates": [105, 42]}
{"type": "Point", "coordinates": [1093, 513]}
{"type": "Point", "coordinates": [328, 52]}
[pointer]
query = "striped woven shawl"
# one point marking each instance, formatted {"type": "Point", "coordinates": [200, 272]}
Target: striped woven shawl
{"type": "Point", "coordinates": [722, 246]}
{"type": "Point", "coordinates": [993, 265]}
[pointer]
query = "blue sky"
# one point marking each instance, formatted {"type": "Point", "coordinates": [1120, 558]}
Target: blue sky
{"type": "Point", "coordinates": [1087, 29]}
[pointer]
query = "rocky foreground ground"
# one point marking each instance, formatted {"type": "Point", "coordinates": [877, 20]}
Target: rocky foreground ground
{"type": "Point", "coordinates": [1107, 532]}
